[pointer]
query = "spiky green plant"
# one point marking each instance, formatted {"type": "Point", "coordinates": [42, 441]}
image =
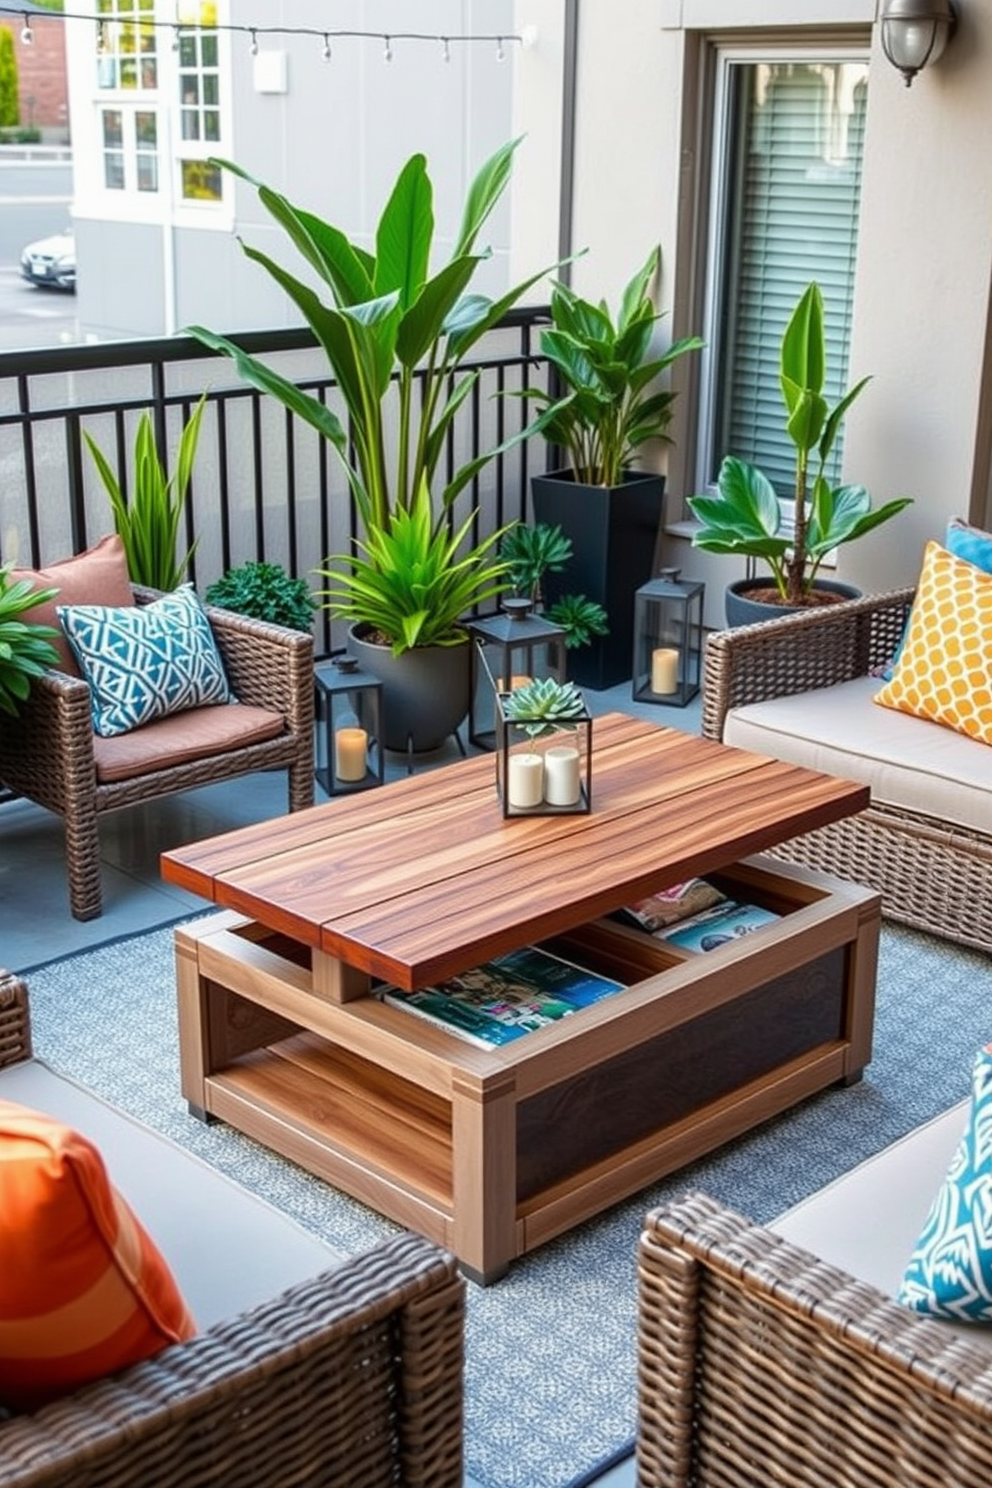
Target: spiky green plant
{"type": "Point", "coordinates": [412, 581]}
{"type": "Point", "coordinates": [580, 618]}
{"type": "Point", "coordinates": [532, 551]}
{"type": "Point", "coordinates": [149, 524]}
{"type": "Point", "coordinates": [544, 706]}
{"type": "Point", "coordinates": [25, 647]}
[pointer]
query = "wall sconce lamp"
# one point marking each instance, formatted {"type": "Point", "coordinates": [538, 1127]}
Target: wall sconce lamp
{"type": "Point", "coordinates": [915, 33]}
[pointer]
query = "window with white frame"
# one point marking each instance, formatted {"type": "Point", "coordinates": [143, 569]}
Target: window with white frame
{"type": "Point", "coordinates": [127, 45]}
{"type": "Point", "coordinates": [199, 102]}
{"type": "Point", "coordinates": [786, 187]}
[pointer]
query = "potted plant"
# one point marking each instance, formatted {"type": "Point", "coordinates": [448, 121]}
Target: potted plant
{"type": "Point", "coordinates": [264, 591]}
{"type": "Point", "coordinates": [149, 524]}
{"type": "Point", "coordinates": [395, 334]}
{"type": "Point", "coordinates": [26, 648]}
{"type": "Point", "coordinates": [533, 550]}
{"type": "Point", "coordinates": [608, 368]}
{"type": "Point", "coordinates": [748, 517]}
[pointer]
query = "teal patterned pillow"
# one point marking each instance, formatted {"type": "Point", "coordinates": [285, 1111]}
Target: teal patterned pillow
{"type": "Point", "coordinates": [143, 661]}
{"type": "Point", "coordinates": [950, 1274]}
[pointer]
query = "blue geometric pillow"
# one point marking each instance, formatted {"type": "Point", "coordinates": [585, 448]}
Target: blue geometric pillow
{"type": "Point", "coordinates": [950, 1274]}
{"type": "Point", "coordinates": [144, 661]}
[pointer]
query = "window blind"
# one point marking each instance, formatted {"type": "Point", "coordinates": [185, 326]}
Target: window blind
{"type": "Point", "coordinates": [793, 187]}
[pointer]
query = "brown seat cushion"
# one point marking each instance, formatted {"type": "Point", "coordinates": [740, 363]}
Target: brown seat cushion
{"type": "Point", "coordinates": [98, 576]}
{"type": "Point", "coordinates": [182, 737]}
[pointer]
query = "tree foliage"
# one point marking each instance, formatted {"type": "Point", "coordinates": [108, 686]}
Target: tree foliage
{"type": "Point", "coordinates": [9, 113]}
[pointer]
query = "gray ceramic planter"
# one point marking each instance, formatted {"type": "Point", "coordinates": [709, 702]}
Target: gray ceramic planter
{"type": "Point", "coordinates": [424, 691]}
{"type": "Point", "coordinates": [741, 610]}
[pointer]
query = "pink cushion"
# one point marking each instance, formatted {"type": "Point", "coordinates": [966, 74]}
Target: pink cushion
{"type": "Point", "coordinates": [98, 576]}
{"type": "Point", "coordinates": [182, 737]}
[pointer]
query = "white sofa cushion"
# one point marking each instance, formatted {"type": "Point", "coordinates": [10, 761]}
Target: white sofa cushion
{"type": "Point", "coordinates": [228, 1249]}
{"type": "Point", "coordinates": [909, 763]}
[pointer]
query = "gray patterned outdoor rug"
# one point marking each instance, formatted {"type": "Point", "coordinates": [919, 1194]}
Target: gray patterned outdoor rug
{"type": "Point", "coordinates": [550, 1375]}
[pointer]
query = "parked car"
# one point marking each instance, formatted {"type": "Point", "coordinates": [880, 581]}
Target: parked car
{"type": "Point", "coordinates": [51, 261]}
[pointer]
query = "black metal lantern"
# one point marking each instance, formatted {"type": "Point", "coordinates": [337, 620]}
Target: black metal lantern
{"type": "Point", "coordinates": [510, 649]}
{"type": "Point", "coordinates": [544, 762]}
{"type": "Point", "coordinates": [348, 727]}
{"type": "Point", "coordinates": [668, 640]}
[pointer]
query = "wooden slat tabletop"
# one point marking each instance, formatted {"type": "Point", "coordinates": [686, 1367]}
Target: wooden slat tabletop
{"type": "Point", "coordinates": [423, 878]}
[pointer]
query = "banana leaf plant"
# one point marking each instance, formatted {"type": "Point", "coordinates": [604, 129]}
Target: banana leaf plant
{"type": "Point", "coordinates": [747, 516]}
{"type": "Point", "coordinates": [395, 333]}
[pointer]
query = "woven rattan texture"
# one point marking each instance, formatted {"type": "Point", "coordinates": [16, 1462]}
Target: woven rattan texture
{"type": "Point", "coordinates": [931, 877]}
{"type": "Point", "coordinates": [354, 1378]}
{"type": "Point", "coordinates": [47, 754]}
{"type": "Point", "coordinates": [760, 1364]}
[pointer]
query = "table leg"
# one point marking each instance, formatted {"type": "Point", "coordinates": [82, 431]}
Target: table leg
{"type": "Point", "coordinates": [484, 1174]}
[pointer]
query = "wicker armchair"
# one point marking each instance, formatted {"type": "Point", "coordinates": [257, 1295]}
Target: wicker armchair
{"type": "Point", "coordinates": [47, 755]}
{"type": "Point", "coordinates": [760, 1364]}
{"type": "Point", "coordinates": [934, 877]}
{"type": "Point", "coordinates": [351, 1378]}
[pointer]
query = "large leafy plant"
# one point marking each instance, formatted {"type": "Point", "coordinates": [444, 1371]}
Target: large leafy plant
{"type": "Point", "coordinates": [264, 591]}
{"type": "Point", "coordinates": [26, 648]}
{"type": "Point", "coordinates": [747, 516]}
{"type": "Point", "coordinates": [395, 334]}
{"type": "Point", "coordinates": [608, 369]}
{"type": "Point", "coordinates": [149, 524]}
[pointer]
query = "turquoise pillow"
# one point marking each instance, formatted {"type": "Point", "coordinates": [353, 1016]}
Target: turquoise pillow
{"type": "Point", "coordinates": [950, 1274]}
{"type": "Point", "coordinates": [964, 541]}
{"type": "Point", "coordinates": [144, 661]}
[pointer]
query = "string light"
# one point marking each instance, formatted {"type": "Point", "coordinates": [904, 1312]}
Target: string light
{"type": "Point", "coordinates": [325, 50]}
{"type": "Point", "coordinates": [254, 32]}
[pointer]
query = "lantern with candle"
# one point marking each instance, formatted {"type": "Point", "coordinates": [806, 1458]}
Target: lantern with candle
{"type": "Point", "coordinates": [668, 639]}
{"type": "Point", "coordinates": [511, 649]}
{"type": "Point", "coordinates": [543, 749]}
{"type": "Point", "coordinates": [348, 727]}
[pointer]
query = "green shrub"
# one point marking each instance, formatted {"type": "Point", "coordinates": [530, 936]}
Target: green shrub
{"type": "Point", "coordinates": [265, 591]}
{"type": "Point", "coordinates": [9, 115]}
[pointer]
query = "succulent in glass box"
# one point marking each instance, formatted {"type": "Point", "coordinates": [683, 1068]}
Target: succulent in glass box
{"type": "Point", "coordinates": [544, 749]}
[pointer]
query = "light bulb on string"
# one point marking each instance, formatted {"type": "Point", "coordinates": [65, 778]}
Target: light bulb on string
{"type": "Point", "coordinates": [325, 50]}
{"type": "Point", "coordinates": [101, 39]}
{"type": "Point", "coordinates": [175, 38]}
{"type": "Point", "coordinates": [500, 54]}
{"type": "Point", "coordinates": [445, 49]}
{"type": "Point", "coordinates": [27, 35]}
{"type": "Point", "coordinates": [253, 44]}
{"type": "Point", "coordinates": [387, 50]}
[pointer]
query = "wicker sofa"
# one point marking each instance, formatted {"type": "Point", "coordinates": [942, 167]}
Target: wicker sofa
{"type": "Point", "coordinates": [776, 1356]}
{"type": "Point", "coordinates": [925, 842]}
{"type": "Point", "coordinates": [344, 1371]}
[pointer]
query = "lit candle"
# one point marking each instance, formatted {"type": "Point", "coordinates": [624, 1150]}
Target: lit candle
{"type": "Point", "coordinates": [525, 784]}
{"type": "Point", "coordinates": [561, 776]}
{"type": "Point", "coordinates": [350, 745]}
{"type": "Point", "coordinates": [664, 670]}
{"type": "Point", "coordinates": [515, 682]}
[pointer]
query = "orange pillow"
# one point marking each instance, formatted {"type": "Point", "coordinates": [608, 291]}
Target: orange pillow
{"type": "Point", "coordinates": [98, 576]}
{"type": "Point", "coordinates": [83, 1290]}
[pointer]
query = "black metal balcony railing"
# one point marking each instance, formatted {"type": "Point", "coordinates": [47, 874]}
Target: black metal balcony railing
{"type": "Point", "coordinates": [265, 485]}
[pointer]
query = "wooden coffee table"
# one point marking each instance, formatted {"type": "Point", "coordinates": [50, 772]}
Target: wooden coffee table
{"type": "Point", "coordinates": [493, 1152]}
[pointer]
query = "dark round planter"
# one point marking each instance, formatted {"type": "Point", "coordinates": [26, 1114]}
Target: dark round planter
{"type": "Point", "coordinates": [424, 691]}
{"type": "Point", "coordinates": [742, 610]}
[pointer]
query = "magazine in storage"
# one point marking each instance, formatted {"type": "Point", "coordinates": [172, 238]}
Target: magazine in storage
{"type": "Point", "coordinates": [507, 997]}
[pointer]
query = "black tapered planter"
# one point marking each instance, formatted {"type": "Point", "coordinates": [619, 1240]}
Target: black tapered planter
{"type": "Point", "coordinates": [613, 530]}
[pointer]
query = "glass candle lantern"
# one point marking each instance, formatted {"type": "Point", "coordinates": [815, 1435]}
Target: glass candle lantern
{"type": "Point", "coordinates": [547, 773]}
{"type": "Point", "coordinates": [668, 640]}
{"type": "Point", "coordinates": [510, 649]}
{"type": "Point", "coordinates": [348, 727]}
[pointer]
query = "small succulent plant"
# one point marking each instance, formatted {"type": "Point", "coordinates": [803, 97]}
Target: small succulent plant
{"type": "Point", "coordinates": [544, 706]}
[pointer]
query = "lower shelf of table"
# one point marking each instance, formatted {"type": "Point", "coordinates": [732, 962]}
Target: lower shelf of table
{"type": "Point", "coordinates": [494, 1153]}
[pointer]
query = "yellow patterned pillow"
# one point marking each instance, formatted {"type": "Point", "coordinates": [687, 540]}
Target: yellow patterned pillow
{"type": "Point", "coordinates": [944, 671]}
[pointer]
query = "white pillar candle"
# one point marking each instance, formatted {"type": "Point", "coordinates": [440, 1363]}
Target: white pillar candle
{"type": "Point", "coordinates": [664, 670]}
{"type": "Point", "coordinates": [350, 746]}
{"type": "Point", "coordinates": [525, 784]}
{"type": "Point", "coordinates": [561, 775]}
